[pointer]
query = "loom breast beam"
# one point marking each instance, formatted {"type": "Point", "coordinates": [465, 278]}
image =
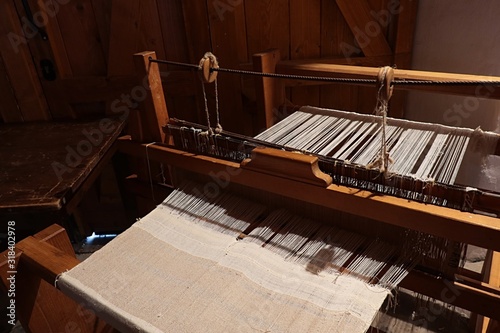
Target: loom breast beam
{"type": "Point", "coordinates": [480, 230]}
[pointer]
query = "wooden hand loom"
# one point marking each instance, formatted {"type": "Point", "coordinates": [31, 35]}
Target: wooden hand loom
{"type": "Point", "coordinates": [287, 174]}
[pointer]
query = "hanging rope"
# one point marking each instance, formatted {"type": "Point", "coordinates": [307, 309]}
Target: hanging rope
{"type": "Point", "coordinates": [207, 63]}
{"type": "Point", "coordinates": [384, 93]}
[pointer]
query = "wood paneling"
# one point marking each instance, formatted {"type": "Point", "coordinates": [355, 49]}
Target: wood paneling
{"type": "Point", "coordinates": [102, 12]}
{"type": "Point", "coordinates": [336, 38]}
{"type": "Point", "coordinates": [227, 33]}
{"type": "Point", "coordinates": [268, 26]}
{"type": "Point", "coordinates": [124, 35]}
{"type": "Point", "coordinates": [305, 42]}
{"type": "Point", "coordinates": [19, 66]}
{"type": "Point", "coordinates": [9, 110]}
{"type": "Point", "coordinates": [55, 41]}
{"type": "Point", "coordinates": [366, 29]}
{"type": "Point", "coordinates": [171, 23]}
{"type": "Point", "coordinates": [95, 40]}
{"type": "Point", "coordinates": [77, 23]}
{"type": "Point", "coordinates": [406, 18]}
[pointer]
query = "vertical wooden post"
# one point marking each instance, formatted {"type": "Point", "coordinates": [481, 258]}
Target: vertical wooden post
{"type": "Point", "coordinates": [491, 275]}
{"type": "Point", "coordinates": [269, 91]}
{"type": "Point", "coordinates": [153, 114]}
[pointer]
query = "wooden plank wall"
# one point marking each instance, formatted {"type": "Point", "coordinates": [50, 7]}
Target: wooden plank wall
{"type": "Point", "coordinates": [91, 45]}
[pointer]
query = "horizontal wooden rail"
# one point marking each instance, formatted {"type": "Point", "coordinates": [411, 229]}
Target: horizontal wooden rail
{"type": "Point", "coordinates": [46, 260]}
{"type": "Point", "coordinates": [328, 69]}
{"type": "Point", "coordinates": [455, 293]}
{"type": "Point", "coordinates": [480, 230]}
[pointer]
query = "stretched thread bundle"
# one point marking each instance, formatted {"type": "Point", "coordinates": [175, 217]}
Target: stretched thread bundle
{"type": "Point", "coordinates": [319, 248]}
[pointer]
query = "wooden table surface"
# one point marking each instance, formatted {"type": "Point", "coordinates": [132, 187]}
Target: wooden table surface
{"type": "Point", "coordinates": [43, 165]}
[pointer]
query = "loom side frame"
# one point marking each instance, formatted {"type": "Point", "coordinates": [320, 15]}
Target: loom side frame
{"type": "Point", "coordinates": [270, 93]}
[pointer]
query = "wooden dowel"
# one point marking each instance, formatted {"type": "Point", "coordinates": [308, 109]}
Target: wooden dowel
{"type": "Point", "coordinates": [317, 68]}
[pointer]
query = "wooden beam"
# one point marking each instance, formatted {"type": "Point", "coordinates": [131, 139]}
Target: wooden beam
{"type": "Point", "coordinates": [45, 259]}
{"type": "Point", "coordinates": [491, 269]}
{"type": "Point", "coordinates": [39, 306]}
{"type": "Point", "coordinates": [366, 29]}
{"type": "Point", "coordinates": [344, 71]}
{"type": "Point", "coordinates": [270, 92]}
{"type": "Point", "coordinates": [154, 112]}
{"type": "Point", "coordinates": [480, 230]}
{"type": "Point", "coordinates": [300, 167]}
{"type": "Point", "coordinates": [454, 293]}
{"type": "Point", "coordinates": [283, 66]}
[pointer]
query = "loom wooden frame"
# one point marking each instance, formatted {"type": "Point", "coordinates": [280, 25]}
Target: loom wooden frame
{"type": "Point", "coordinates": [149, 125]}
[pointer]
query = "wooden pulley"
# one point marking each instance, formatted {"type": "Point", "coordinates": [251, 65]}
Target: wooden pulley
{"type": "Point", "coordinates": [208, 62]}
{"type": "Point", "coordinates": [384, 82]}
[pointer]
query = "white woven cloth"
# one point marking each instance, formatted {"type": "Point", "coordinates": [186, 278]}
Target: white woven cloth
{"type": "Point", "coordinates": [166, 274]}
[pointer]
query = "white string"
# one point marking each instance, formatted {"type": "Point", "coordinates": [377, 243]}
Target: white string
{"type": "Point", "coordinates": [149, 171]}
{"type": "Point", "coordinates": [218, 126]}
{"type": "Point", "coordinates": [319, 248]}
{"type": "Point", "coordinates": [207, 113]}
{"type": "Point", "coordinates": [213, 64]}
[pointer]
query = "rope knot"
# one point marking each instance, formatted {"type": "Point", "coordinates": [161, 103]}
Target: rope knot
{"type": "Point", "coordinates": [218, 129]}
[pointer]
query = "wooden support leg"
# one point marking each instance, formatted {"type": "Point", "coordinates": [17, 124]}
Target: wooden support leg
{"type": "Point", "coordinates": [270, 92]}
{"type": "Point", "coordinates": [491, 275]}
{"type": "Point", "coordinates": [154, 114]}
{"type": "Point", "coordinates": [40, 307]}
